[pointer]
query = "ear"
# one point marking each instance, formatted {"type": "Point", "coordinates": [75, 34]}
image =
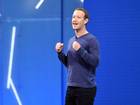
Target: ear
{"type": "Point", "coordinates": [86, 20]}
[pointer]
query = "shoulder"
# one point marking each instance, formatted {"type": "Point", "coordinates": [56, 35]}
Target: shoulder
{"type": "Point", "coordinates": [71, 39]}
{"type": "Point", "coordinates": [92, 40]}
{"type": "Point", "coordinates": [91, 37]}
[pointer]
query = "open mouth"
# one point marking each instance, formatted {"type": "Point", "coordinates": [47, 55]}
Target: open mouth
{"type": "Point", "coordinates": [75, 24]}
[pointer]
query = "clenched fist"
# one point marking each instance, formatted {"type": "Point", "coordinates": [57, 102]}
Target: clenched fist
{"type": "Point", "coordinates": [76, 46]}
{"type": "Point", "coordinates": [59, 46]}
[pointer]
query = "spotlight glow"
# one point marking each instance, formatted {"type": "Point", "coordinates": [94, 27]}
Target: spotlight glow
{"type": "Point", "coordinates": [82, 1]}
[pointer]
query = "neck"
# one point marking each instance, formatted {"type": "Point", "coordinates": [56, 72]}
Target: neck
{"type": "Point", "coordinates": [81, 32]}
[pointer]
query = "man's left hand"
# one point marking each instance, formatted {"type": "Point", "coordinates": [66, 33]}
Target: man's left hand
{"type": "Point", "coordinates": [76, 46]}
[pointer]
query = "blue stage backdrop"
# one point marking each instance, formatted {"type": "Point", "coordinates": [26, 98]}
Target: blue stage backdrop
{"type": "Point", "coordinates": [116, 23]}
{"type": "Point", "coordinates": [37, 77]}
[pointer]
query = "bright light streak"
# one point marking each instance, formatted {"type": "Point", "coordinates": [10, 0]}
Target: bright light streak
{"type": "Point", "coordinates": [15, 92]}
{"type": "Point", "coordinates": [9, 79]}
{"type": "Point", "coordinates": [82, 1]}
{"type": "Point", "coordinates": [11, 56]}
{"type": "Point", "coordinates": [39, 4]}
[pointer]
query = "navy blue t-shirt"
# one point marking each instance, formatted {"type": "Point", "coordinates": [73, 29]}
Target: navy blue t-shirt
{"type": "Point", "coordinates": [81, 64]}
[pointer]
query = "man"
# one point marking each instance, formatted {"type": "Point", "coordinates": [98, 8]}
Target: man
{"type": "Point", "coordinates": [81, 60]}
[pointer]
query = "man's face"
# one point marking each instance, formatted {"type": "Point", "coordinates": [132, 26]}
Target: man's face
{"type": "Point", "coordinates": [78, 20]}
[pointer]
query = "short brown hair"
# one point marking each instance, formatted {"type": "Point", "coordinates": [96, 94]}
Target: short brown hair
{"type": "Point", "coordinates": [85, 11]}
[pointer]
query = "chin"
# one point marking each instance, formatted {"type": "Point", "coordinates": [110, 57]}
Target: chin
{"type": "Point", "coordinates": [75, 28]}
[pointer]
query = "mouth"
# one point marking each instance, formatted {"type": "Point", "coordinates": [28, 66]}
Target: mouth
{"type": "Point", "coordinates": [75, 24]}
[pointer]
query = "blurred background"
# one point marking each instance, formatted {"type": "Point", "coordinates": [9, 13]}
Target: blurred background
{"type": "Point", "coordinates": [38, 78]}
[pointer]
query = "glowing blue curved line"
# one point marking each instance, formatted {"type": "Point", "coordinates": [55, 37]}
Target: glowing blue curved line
{"type": "Point", "coordinates": [39, 4]}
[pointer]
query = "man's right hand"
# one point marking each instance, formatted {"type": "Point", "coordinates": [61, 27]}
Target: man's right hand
{"type": "Point", "coordinates": [59, 46]}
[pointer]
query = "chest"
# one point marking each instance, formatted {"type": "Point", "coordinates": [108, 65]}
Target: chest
{"type": "Point", "coordinates": [83, 43]}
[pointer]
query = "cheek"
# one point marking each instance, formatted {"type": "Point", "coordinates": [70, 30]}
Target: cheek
{"type": "Point", "coordinates": [82, 23]}
{"type": "Point", "coordinates": [71, 21]}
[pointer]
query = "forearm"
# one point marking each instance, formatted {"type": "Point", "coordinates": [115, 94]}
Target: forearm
{"type": "Point", "coordinates": [63, 58]}
{"type": "Point", "coordinates": [90, 58]}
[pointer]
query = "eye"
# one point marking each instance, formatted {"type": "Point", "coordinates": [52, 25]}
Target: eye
{"type": "Point", "coordinates": [78, 17]}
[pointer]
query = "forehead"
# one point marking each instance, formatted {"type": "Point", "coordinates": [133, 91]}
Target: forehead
{"type": "Point", "coordinates": [79, 13]}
